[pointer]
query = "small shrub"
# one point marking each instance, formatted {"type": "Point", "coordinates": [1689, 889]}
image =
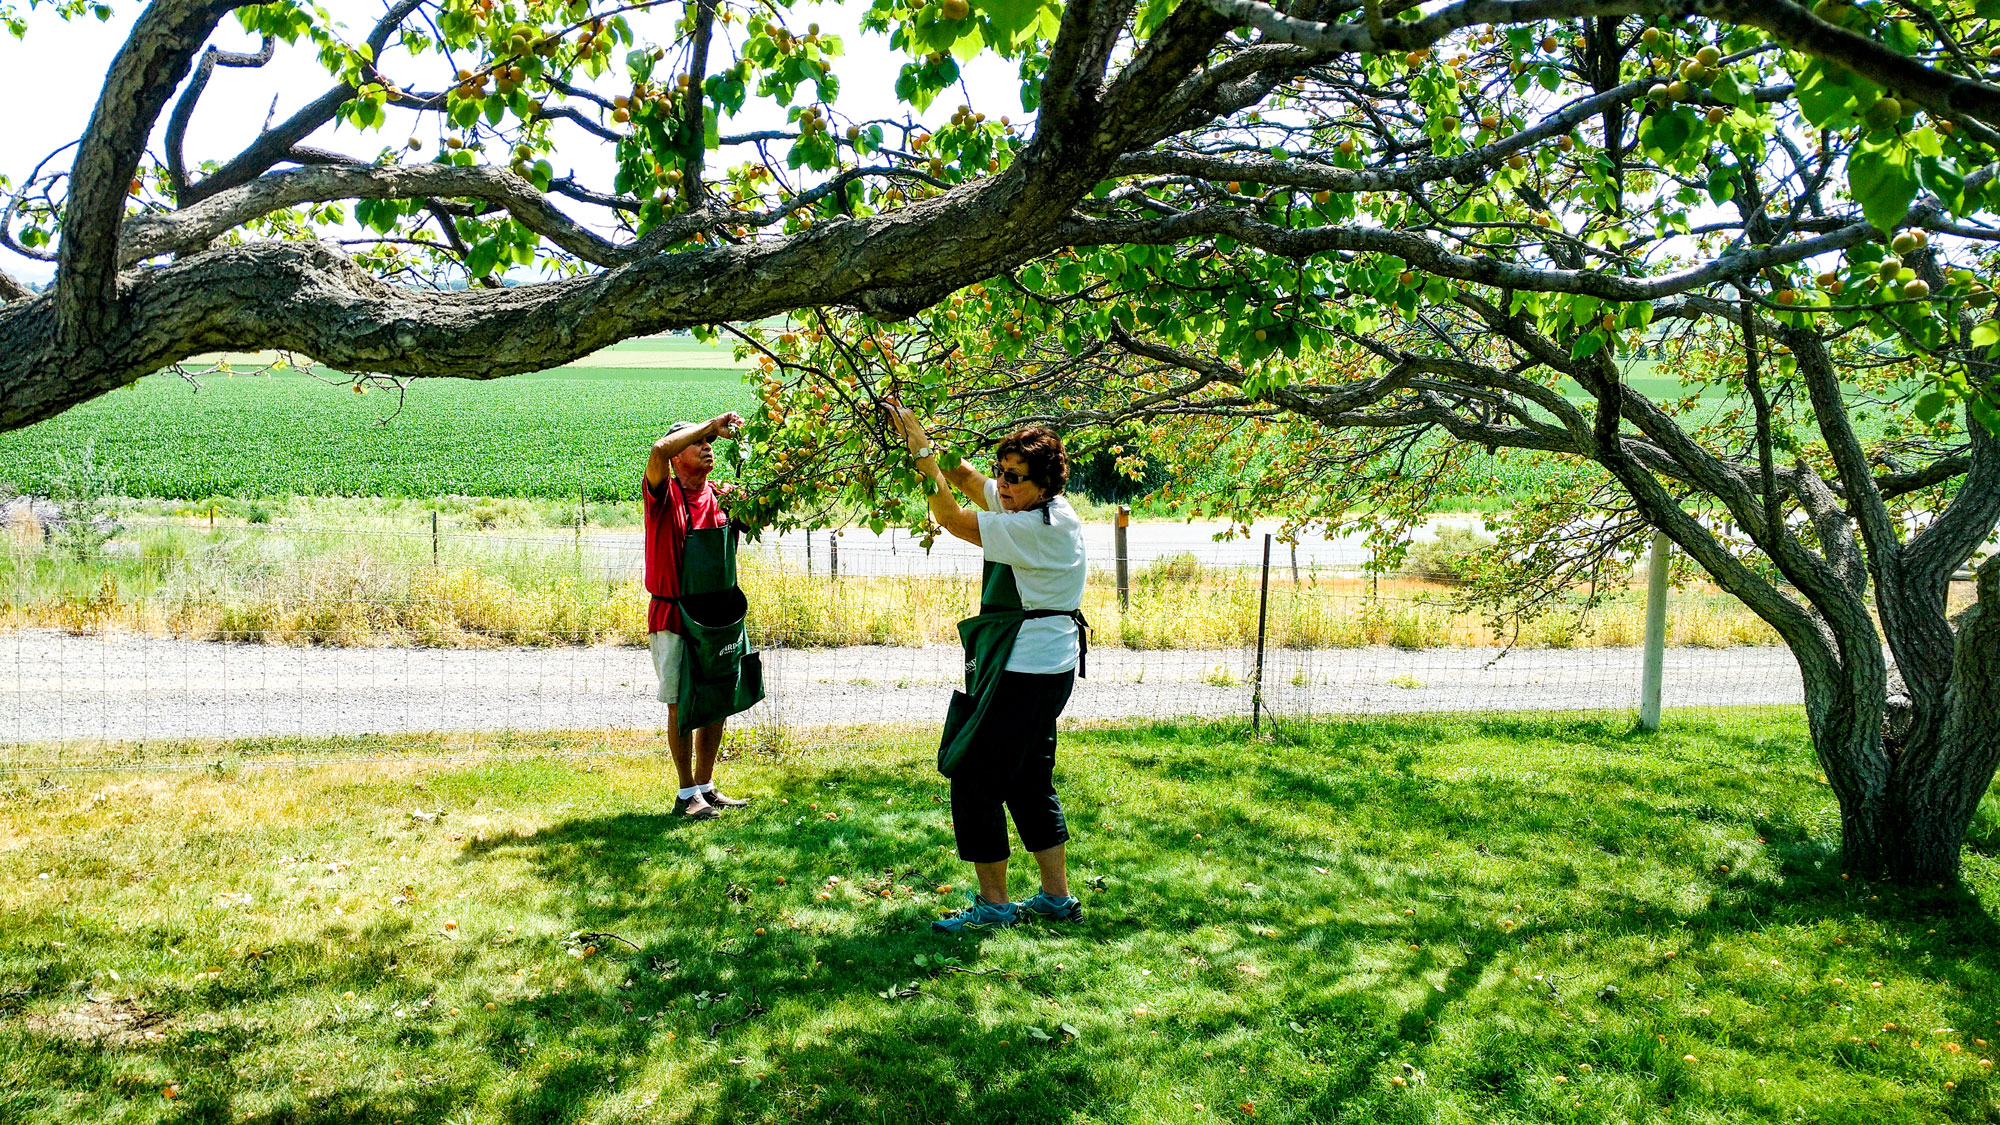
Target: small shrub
{"type": "Point", "coordinates": [1181, 569]}
{"type": "Point", "coordinates": [82, 488]}
{"type": "Point", "coordinates": [614, 515]}
{"type": "Point", "coordinates": [81, 615]}
{"type": "Point", "coordinates": [1984, 835]}
{"type": "Point", "coordinates": [1415, 626]}
{"type": "Point", "coordinates": [163, 545]}
{"type": "Point", "coordinates": [1222, 675]}
{"type": "Point", "coordinates": [1450, 557]}
{"type": "Point", "coordinates": [1560, 629]}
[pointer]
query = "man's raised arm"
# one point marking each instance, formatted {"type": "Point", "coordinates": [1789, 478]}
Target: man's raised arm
{"type": "Point", "coordinates": [660, 463]}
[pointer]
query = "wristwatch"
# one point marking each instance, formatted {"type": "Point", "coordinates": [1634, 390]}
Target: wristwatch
{"type": "Point", "coordinates": [920, 454]}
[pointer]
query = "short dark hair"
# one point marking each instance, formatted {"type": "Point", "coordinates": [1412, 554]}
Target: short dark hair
{"type": "Point", "coordinates": [1042, 450]}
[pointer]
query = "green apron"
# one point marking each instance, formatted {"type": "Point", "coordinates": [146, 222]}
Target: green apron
{"type": "Point", "coordinates": [721, 675]}
{"type": "Point", "coordinates": [989, 643]}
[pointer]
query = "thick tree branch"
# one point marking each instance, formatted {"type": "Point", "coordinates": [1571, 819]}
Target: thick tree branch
{"type": "Point", "coordinates": [1968, 521]}
{"type": "Point", "coordinates": [154, 59]}
{"type": "Point", "coordinates": [275, 146]}
{"type": "Point", "coordinates": [184, 109]}
{"type": "Point", "coordinates": [1373, 36]}
{"type": "Point", "coordinates": [1937, 472]}
{"type": "Point", "coordinates": [694, 121]}
{"type": "Point", "coordinates": [1831, 525]}
{"type": "Point", "coordinates": [1424, 254]}
{"type": "Point", "coordinates": [1789, 23]}
{"type": "Point", "coordinates": [1077, 59]}
{"type": "Point", "coordinates": [150, 235]}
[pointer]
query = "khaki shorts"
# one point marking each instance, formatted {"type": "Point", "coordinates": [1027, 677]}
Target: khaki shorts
{"type": "Point", "coordinates": [667, 664]}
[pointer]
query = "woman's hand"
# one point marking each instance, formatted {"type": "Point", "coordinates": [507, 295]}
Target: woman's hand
{"type": "Point", "coordinates": [906, 424]}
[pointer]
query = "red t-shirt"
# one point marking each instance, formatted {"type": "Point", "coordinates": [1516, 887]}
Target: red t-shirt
{"type": "Point", "coordinates": [667, 525]}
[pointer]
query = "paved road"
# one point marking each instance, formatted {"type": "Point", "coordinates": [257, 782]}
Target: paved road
{"type": "Point", "coordinates": [57, 687]}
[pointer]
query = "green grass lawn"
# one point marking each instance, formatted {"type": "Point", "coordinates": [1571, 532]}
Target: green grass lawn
{"type": "Point", "coordinates": [1437, 920]}
{"type": "Point", "coordinates": [284, 434]}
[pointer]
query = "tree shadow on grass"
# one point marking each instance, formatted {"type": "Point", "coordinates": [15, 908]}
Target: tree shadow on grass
{"type": "Point", "coordinates": [781, 1038]}
{"type": "Point", "coordinates": [703, 973]}
{"type": "Point", "coordinates": [604, 871]}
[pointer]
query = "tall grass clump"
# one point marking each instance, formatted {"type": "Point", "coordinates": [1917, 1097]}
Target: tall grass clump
{"type": "Point", "coordinates": [365, 586]}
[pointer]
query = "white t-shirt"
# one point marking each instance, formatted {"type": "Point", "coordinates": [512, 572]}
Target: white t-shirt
{"type": "Point", "coordinates": [1049, 572]}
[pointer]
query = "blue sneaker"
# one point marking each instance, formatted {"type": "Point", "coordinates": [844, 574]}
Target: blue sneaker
{"type": "Point", "coordinates": [1049, 908]}
{"type": "Point", "coordinates": [977, 918]}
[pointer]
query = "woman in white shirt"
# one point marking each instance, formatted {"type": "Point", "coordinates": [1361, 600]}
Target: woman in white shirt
{"type": "Point", "coordinates": [1022, 657]}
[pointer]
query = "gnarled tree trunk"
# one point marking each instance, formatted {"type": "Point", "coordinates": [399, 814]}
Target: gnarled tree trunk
{"type": "Point", "coordinates": [1910, 764]}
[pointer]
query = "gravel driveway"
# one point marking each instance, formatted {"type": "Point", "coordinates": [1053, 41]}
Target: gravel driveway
{"type": "Point", "coordinates": [57, 687]}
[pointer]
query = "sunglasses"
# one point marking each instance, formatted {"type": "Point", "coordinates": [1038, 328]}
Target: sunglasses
{"type": "Point", "coordinates": [1009, 475]}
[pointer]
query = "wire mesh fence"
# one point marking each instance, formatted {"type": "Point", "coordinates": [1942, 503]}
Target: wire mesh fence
{"type": "Point", "coordinates": [178, 634]}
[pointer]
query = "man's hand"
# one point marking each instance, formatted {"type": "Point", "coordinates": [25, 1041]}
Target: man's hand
{"type": "Point", "coordinates": [726, 425]}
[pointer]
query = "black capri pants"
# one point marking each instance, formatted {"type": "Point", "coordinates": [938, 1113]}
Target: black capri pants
{"type": "Point", "coordinates": [1011, 767]}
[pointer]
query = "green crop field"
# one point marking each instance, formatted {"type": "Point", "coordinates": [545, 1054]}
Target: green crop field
{"type": "Point", "coordinates": [542, 435]}
{"type": "Point", "coordinates": [587, 424]}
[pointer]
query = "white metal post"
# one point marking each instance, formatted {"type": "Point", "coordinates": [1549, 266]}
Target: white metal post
{"type": "Point", "coordinates": [1656, 632]}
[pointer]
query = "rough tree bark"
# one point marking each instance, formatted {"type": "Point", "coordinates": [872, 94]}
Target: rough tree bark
{"type": "Point", "coordinates": [100, 329]}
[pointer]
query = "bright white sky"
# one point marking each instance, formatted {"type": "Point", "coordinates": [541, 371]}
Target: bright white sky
{"type": "Point", "coordinates": [50, 81]}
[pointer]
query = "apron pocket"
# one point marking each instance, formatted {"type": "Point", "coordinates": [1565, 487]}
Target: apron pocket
{"type": "Point", "coordinates": [712, 634]}
{"type": "Point", "coordinates": [750, 680]}
{"type": "Point", "coordinates": [956, 716]}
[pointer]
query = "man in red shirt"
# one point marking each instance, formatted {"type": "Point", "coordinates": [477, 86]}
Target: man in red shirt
{"type": "Point", "coordinates": [678, 497]}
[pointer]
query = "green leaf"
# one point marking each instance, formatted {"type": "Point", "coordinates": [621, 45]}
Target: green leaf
{"type": "Point", "coordinates": [1722, 184]}
{"type": "Point", "coordinates": [1663, 134]}
{"type": "Point", "coordinates": [1586, 345]}
{"type": "Point", "coordinates": [1930, 405]}
{"type": "Point", "coordinates": [1726, 89]}
{"type": "Point", "coordinates": [482, 257]}
{"type": "Point", "coordinates": [1943, 181]}
{"type": "Point", "coordinates": [1905, 37]}
{"type": "Point", "coordinates": [1883, 180]}
{"type": "Point", "coordinates": [1986, 334]}
{"type": "Point", "coordinates": [1830, 96]}
{"type": "Point", "coordinates": [968, 46]}
{"type": "Point", "coordinates": [1987, 414]}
